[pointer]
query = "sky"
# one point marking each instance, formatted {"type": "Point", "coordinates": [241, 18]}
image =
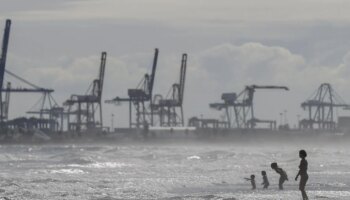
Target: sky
{"type": "Point", "coordinates": [230, 44]}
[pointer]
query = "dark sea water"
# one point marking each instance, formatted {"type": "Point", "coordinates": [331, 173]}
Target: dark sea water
{"type": "Point", "coordinates": [172, 171]}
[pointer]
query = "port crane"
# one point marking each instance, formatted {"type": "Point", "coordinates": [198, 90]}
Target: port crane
{"type": "Point", "coordinates": [138, 98]}
{"type": "Point", "coordinates": [229, 106]}
{"type": "Point", "coordinates": [83, 108]}
{"type": "Point", "coordinates": [4, 105]}
{"type": "Point", "coordinates": [170, 110]}
{"type": "Point", "coordinates": [239, 109]}
{"type": "Point", "coordinates": [320, 107]}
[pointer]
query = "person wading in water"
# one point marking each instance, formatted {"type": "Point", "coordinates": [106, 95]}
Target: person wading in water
{"type": "Point", "coordinates": [282, 173]}
{"type": "Point", "coordinates": [303, 174]}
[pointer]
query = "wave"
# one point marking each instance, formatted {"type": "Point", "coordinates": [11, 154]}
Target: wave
{"type": "Point", "coordinates": [79, 161]}
{"type": "Point", "coordinates": [67, 171]}
{"type": "Point", "coordinates": [194, 157]}
{"type": "Point", "coordinates": [73, 158]}
{"type": "Point", "coordinates": [47, 180]}
{"type": "Point", "coordinates": [101, 165]}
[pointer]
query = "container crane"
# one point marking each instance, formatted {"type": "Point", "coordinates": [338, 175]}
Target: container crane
{"type": "Point", "coordinates": [170, 110]}
{"type": "Point", "coordinates": [320, 107]}
{"type": "Point", "coordinates": [4, 106]}
{"type": "Point", "coordinates": [229, 105]}
{"type": "Point", "coordinates": [83, 107]}
{"type": "Point", "coordinates": [239, 108]}
{"type": "Point", "coordinates": [139, 96]}
{"type": "Point", "coordinates": [46, 95]}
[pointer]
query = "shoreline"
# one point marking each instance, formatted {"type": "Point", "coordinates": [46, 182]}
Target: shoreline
{"type": "Point", "coordinates": [167, 137]}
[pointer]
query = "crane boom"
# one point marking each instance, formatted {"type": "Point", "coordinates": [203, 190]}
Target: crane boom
{"type": "Point", "coordinates": [248, 92]}
{"type": "Point", "coordinates": [4, 48]}
{"type": "Point", "coordinates": [182, 77]}
{"type": "Point", "coordinates": [267, 87]}
{"type": "Point", "coordinates": [5, 42]}
{"type": "Point", "coordinates": [98, 84]}
{"type": "Point", "coordinates": [154, 67]}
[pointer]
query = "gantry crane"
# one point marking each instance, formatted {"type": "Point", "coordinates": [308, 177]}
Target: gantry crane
{"type": "Point", "coordinates": [4, 105]}
{"type": "Point", "coordinates": [239, 109]}
{"type": "Point", "coordinates": [46, 124]}
{"type": "Point", "coordinates": [82, 108]}
{"type": "Point", "coordinates": [229, 106]}
{"type": "Point", "coordinates": [170, 110]}
{"type": "Point", "coordinates": [47, 108]}
{"type": "Point", "coordinates": [321, 106]}
{"type": "Point", "coordinates": [139, 97]}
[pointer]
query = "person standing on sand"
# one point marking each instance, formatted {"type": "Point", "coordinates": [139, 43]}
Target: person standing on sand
{"type": "Point", "coordinates": [303, 174]}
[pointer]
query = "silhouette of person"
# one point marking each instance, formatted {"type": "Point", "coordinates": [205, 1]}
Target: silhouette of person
{"type": "Point", "coordinates": [265, 182]}
{"type": "Point", "coordinates": [252, 181]}
{"type": "Point", "coordinates": [282, 173]}
{"type": "Point", "coordinates": [303, 174]}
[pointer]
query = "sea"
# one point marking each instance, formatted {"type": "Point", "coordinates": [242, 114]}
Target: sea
{"type": "Point", "coordinates": [170, 170]}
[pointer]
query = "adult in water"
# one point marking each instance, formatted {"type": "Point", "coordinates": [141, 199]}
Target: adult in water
{"type": "Point", "coordinates": [282, 173]}
{"type": "Point", "coordinates": [303, 174]}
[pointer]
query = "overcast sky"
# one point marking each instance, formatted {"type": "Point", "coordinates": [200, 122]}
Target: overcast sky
{"type": "Point", "coordinates": [230, 44]}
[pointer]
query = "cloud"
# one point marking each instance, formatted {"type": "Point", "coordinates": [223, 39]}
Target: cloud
{"type": "Point", "coordinates": [228, 68]}
{"type": "Point", "coordinates": [182, 10]}
{"type": "Point", "coordinates": [239, 65]}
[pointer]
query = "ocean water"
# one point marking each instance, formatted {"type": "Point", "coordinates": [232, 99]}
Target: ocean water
{"type": "Point", "coordinates": [170, 171]}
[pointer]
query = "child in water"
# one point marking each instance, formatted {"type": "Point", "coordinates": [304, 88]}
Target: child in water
{"type": "Point", "coordinates": [282, 173]}
{"type": "Point", "coordinates": [303, 174]}
{"type": "Point", "coordinates": [252, 181]}
{"type": "Point", "coordinates": [265, 180]}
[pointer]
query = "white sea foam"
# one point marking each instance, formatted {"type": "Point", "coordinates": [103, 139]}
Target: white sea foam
{"type": "Point", "coordinates": [67, 171]}
{"type": "Point", "coordinates": [101, 165]}
{"type": "Point", "coordinates": [193, 157]}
